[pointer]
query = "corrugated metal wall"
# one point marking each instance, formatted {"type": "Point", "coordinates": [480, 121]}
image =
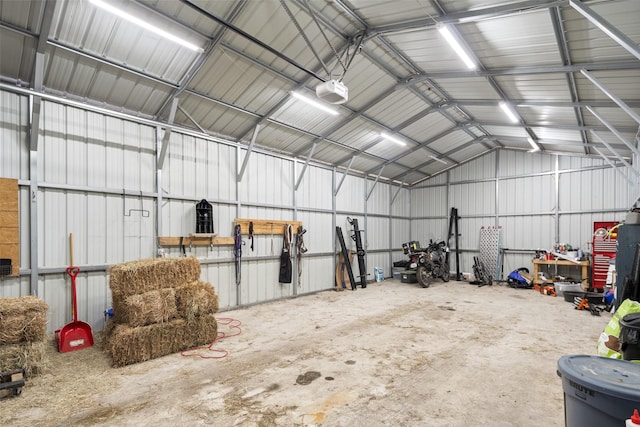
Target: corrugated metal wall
{"type": "Point", "coordinates": [536, 199]}
{"type": "Point", "coordinates": [97, 179]}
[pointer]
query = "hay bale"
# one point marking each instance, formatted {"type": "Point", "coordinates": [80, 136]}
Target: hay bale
{"type": "Point", "coordinates": [128, 345]}
{"type": "Point", "coordinates": [138, 277]}
{"type": "Point", "coordinates": [22, 319]}
{"type": "Point", "coordinates": [30, 356]}
{"type": "Point", "coordinates": [147, 308]}
{"type": "Point", "coordinates": [196, 299]}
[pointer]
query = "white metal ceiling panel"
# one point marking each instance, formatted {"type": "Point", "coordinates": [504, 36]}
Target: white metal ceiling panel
{"type": "Point", "coordinates": [387, 149]}
{"type": "Point", "coordinates": [332, 154]}
{"type": "Point", "coordinates": [538, 87]}
{"type": "Point", "coordinates": [625, 84]}
{"type": "Point", "coordinates": [468, 88]}
{"type": "Point", "coordinates": [357, 133]}
{"type": "Point", "coordinates": [525, 39]}
{"type": "Point", "coordinates": [231, 78]}
{"type": "Point", "coordinates": [485, 112]}
{"type": "Point", "coordinates": [365, 164]}
{"type": "Point", "coordinates": [396, 108]}
{"type": "Point", "coordinates": [414, 158]}
{"type": "Point", "coordinates": [303, 116]}
{"type": "Point", "coordinates": [182, 12]}
{"type": "Point", "coordinates": [20, 48]}
{"type": "Point", "coordinates": [210, 115]}
{"type": "Point", "coordinates": [383, 12]}
{"type": "Point", "coordinates": [557, 134]}
{"type": "Point", "coordinates": [428, 50]}
{"type": "Point", "coordinates": [451, 141]}
{"type": "Point", "coordinates": [98, 32]}
{"type": "Point", "coordinates": [366, 81]}
{"type": "Point", "coordinates": [427, 127]}
{"type": "Point", "coordinates": [282, 139]}
{"type": "Point", "coordinates": [547, 115]}
{"type": "Point", "coordinates": [590, 44]}
{"type": "Point", "coordinates": [514, 131]}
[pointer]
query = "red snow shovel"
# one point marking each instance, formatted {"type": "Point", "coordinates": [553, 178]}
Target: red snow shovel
{"type": "Point", "coordinates": [75, 335]}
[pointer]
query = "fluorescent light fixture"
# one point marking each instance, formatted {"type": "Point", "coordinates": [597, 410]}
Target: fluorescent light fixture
{"type": "Point", "coordinates": [314, 103]}
{"type": "Point", "coordinates": [449, 37]}
{"type": "Point", "coordinates": [534, 147]}
{"type": "Point", "coordinates": [392, 139]}
{"type": "Point", "coordinates": [509, 112]}
{"type": "Point", "coordinates": [439, 160]}
{"type": "Point", "coordinates": [145, 25]}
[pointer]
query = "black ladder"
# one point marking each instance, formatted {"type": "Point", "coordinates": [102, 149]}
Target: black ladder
{"type": "Point", "coordinates": [453, 223]}
{"type": "Point", "coordinates": [357, 237]}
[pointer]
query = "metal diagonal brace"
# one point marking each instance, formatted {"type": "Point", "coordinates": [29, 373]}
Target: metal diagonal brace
{"type": "Point", "coordinates": [606, 159]}
{"type": "Point", "coordinates": [375, 182]}
{"type": "Point", "coordinates": [335, 193]}
{"type": "Point", "coordinates": [613, 97]}
{"type": "Point", "coordinates": [249, 149]}
{"type": "Point", "coordinates": [167, 133]}
{"type": "Point", "coordinates": [306, 163]}
{"type": "Point", "coordinates": [614, 131]}
{"type": "Point", "coordinates": [610, 148]}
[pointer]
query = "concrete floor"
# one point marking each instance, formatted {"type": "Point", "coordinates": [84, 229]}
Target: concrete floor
{"type": "Point", "coordinates": [392, 354]}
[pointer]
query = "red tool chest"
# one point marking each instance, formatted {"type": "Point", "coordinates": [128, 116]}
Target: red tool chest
{"type": "Point", "coordinates": [604, 249]}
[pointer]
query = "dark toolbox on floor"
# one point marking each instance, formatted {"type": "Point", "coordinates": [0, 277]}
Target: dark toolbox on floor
{"type": "Point", "coordinates": [409, 276]}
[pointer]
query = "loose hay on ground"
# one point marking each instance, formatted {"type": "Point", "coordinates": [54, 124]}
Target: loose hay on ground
{"type": "Point", "coordinates": [147, 308]}
{"type": "Point", "coordinates": [29, 356]}
{"type": "Point", "coordinates": [138, 277]}
{"type": "Point", "coordinates": [22, 319]}
{"type": "Point", "coordinates": [129, 345]}
{"type": "Point", "coordinates": [196, 299]}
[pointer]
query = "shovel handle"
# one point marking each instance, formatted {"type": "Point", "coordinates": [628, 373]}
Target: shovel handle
{"type": "Point", "coordinates": [73, 271]}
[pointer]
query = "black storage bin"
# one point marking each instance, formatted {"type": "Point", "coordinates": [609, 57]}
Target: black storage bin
{"type": "Point", "coordinates": [630, 336]}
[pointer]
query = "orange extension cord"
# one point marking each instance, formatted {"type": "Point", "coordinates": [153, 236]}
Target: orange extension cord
{"type": "Point", "coordinates": [199, 351]}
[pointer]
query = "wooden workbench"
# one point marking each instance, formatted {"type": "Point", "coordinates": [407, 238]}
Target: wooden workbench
{"type": "Point", "coordinates": [584, 265]}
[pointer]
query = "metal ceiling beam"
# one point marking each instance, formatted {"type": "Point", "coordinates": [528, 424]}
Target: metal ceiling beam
{"type": "Point", "coordinates": [554, 126]}
{"type": "Point", "coordinates": [555, 104]}
{"type": "Point", "coordinates": [512, 71]}
{"type": "Point", "coordinates": [563, 49]}
{"type": "Point", "coordinates": [611, 95]}
{"type": "Point", "coordinates": [614, 131]}
{"type": "Point", "coordinates": [618, 36]}
{"type": "Point", "coordinates": [251, 38]}
{"type": "Point", "coordinates": [466, 16]}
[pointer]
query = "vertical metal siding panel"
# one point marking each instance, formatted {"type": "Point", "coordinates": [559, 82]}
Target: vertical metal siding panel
{"type": "Point", "coordinates": [56, 293]}
{"type": "Point", "coordinates": [222, 278]}
{"type": "Point", "coordinates": [96, 251]}
{"type": "Point", "coordinates": [24, 211]}
{"type": "Point", "coordinates": [376, 232]}
{"type": "Point", "coordinates": [147, 164]}
{"type": "Point", "coordinates": [54, 145]}
{"type": "Point", "coordinates": [319, 235]}
{"type": "Point", "coordinates": [222, 170]}
{"type": "Point", "coordinates": [269, 181]}
{"type": "Point", "coordinates": [115, 230]}
{"type": "Point", "coordinates": [400, 232]}
{"type": "Point", "coordinates": [201, 169]}
{"type": "Point", "coordinates": [317, 274]}
{"type": "Point", "coordinates": [350, 198]}
{"type": "Point", "coordinates": [401, 204]}
{"type": "Point", "coordinates": [378, 202]}
{"type": "Point", "coordinates": [115, 153]}
{"type": "Point", "coordinates": [527, 194]}
{"type": "Point", "coordinates": [96, 151]}
{"type": "Point", "coordinates": [76, 146]}
{"type": "Point", "coordinates": [473, 198]}
{"type": "Point", "coordinates": [186, 158]}
{"type": "Point", "coordinates": [315, 188]}
{"type": "Point", "coordinates": [14, 149]}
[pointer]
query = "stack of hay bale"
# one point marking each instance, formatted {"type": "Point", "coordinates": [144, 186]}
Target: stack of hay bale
{"type": "Point", "coordinates": [160, 307]}
{"type": "Point", "coordinates": [23, 335]}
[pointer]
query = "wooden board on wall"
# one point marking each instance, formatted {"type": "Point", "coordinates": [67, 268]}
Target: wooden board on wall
{"type": "Point", "coordinates": [266, 226]}
{"type": "Point", "coordinates": [10, 223]}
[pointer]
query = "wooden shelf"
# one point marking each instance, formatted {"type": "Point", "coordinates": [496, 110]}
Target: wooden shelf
{"type": "Point", "coordinates": [266, 226]}
{"type": "Point", "coordinates": [196, 240]}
